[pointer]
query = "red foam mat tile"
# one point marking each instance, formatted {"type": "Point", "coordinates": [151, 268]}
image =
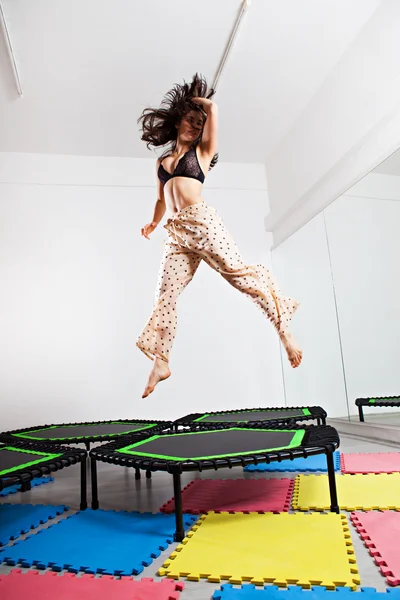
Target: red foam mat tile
{"type": "Point", "coordinates": [379, 462]}
{"type": "Point", "coordinates": [52, 586]}
{"type": "Point", "coordinates": [380, 532]}
{"type": "Point", "coordinates": [234, 495]}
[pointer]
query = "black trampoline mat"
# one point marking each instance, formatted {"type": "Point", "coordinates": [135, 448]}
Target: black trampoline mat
{"type": "Point", "coordinates": [214, 444]}
{"type": "Point", "coordinates": [13, 459]}
{"type": "Point", "coordinates": [82, 431]}
{"type": "Point", "coordinates": [254, 415]}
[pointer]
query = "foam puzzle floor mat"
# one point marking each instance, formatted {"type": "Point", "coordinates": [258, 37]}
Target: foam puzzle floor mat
{"type": "Point", "coordinates": [381, 533]}
{"type": "Point", "coordinates": [16, 519]}
{"type": "Point", "coordinates": [355, 492]}
{"type": "Point", "coordinates": [97, 541]}
{"type": "Point", "coordinates": [368, 462]}
{"type": "Point", "coordinates": [50, 585]}
{"type": "Point", "coordinates": [235, 495]}
{"type": "Point", "coordinates": [13, 489]}
{"type": "Point", "coordinates": [267, 548]}
{"type": "Point", "coordinates": [310, 464]}
{"type": "Point", "coordinates": [272, 592]}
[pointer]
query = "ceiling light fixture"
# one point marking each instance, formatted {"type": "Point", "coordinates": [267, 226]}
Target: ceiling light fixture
{"type": "Point", "coordinates": [3, 27]}
{"type": "Point", "coordinates": [243, 10]}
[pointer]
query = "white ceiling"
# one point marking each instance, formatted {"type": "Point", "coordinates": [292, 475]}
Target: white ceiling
{"type": "Point", "coordinates": [391, 166]}
{"type": "Point", "coordinates": [89, 67]}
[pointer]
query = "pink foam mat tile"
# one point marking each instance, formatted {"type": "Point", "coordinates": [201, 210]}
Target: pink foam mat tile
{"type": "Point", "coordinates": [377, 462]}
{"type": "Point", "coordinates": [380, 532]}
{"type": "Point", "coordinates": [234, 495]}
{"type": "Point", "coordinates": [52, 586]}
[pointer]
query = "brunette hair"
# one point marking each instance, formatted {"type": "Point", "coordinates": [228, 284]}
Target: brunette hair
{"type": "Point", "coordinates": [159, 125]}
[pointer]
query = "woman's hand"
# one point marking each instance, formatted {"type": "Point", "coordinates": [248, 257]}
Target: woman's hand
{"type": "Point", "coordinates": [205, 103]}
{"type": "Point", "coordinates": [148, 229]}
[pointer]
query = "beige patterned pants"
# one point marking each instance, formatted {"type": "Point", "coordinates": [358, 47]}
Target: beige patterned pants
{"type": "Point", "coordinates": [197, 233]}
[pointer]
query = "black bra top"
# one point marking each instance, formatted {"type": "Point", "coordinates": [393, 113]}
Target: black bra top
{"type": "Point", "coordinates": [188, 166]}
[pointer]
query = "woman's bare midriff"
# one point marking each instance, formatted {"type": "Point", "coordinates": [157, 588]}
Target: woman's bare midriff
{"type": "Point", "coordinates": [181, 192]}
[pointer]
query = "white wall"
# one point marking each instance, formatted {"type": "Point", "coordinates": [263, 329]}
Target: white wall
{"type": "Point", "coordinates": [349, 127]}
{"type": "Point", "coordinates": [363, 233]}
{"type": "Point", "coordinates": [377, 187]}
{"type": "Point", "coordinates": [349, 253]}
{"type": "Point", "coordinates": [78, 285]}
{"type": "Point", "coordinates": [302, 265]}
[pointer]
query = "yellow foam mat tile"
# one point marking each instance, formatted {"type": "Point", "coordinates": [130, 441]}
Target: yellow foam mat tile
{"type": "Point", "coordinates": [355, 492]}
{"type": "Point", "coordinates": [296, 548]}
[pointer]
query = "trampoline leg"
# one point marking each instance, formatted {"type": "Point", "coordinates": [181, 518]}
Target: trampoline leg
{"type": "Point", "coordinates": [148, 474]}
{"type": "Point", "coordinates": [318, 421]}
{"type": "Point", "coordinates": [95, 498]}
{"type": "Point", "coordinates": [26, 486]}
{"type": "Point", "coordinates": [332, 483]}
{"type": "Point", "coordinates": [87, 444]}
{"type": "Point", "coordinates": [83, 485]}
{"type": "Point", "coordinates": [180, 532]}
{"type": "Point", "coordinates": [137, 473]}
{"type": "Point", "coordinates": [361, 414]}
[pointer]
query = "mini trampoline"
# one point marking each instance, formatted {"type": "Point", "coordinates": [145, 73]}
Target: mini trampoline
{"type": "Point", "coordinates": [254, 416]}
{"type": "Point", "coordinates": [84, 433]}
{"type": "Point", "coordinates": [383, 401]}
{"type": "Point", "coordinates": [215, 449]}
{"type": "Point", "coordinates": [23, 461]}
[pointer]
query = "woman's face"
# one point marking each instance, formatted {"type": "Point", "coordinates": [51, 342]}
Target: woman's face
{"type": "Point", "coordinates": [191, 126]}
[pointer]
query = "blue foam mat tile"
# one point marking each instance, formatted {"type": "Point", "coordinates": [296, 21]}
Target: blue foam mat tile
{"type": "Point", "coordinates": [13, 489]}
{"type": "Point", "coordinates": [16, 519]}
{"type": "Point", "coordinates": [273, 592]}
{"type": "Point", "coordinates": [97, 541]}
{"type": "Point", "coordinates": [310, 464]}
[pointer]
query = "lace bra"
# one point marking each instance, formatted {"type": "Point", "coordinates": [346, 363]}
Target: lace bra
{"type": "Point", "coordinates": [188, 166]}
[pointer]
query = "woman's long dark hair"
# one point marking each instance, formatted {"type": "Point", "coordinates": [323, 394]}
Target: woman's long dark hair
{"type": "Point", "coordinates": [159, 125]}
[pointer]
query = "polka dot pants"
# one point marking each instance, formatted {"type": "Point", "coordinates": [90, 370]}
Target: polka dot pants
{"type": "Point", "coordinates": [197, 233]}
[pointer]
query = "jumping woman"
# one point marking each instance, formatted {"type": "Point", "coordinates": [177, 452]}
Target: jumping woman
{"type": "Point", "coordinates": [187, 121]}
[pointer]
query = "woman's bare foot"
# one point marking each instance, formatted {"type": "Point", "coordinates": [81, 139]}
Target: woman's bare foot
{"type": "Point", "coordinates": [160, 372]}
{"type": "Point", "coordinates": [295, 354]}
